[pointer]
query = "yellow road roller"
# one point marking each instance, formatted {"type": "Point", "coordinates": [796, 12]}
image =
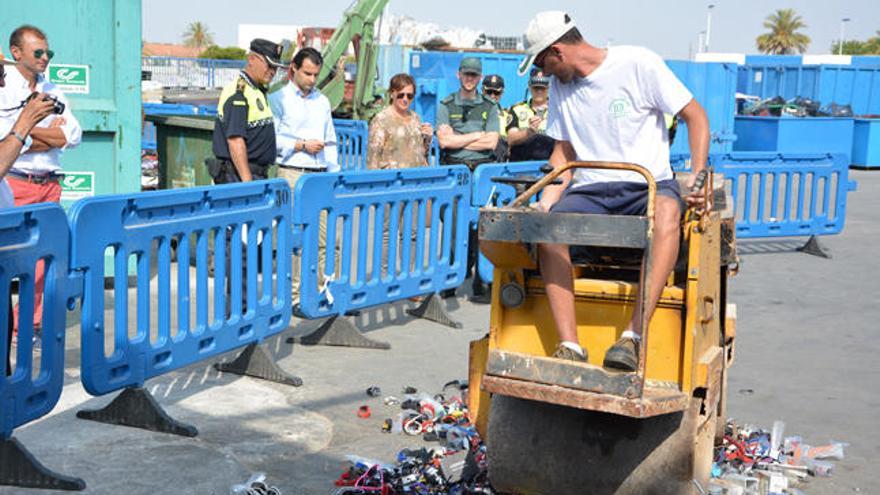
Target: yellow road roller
{"type": "Point", "coordinates": [563, 427]}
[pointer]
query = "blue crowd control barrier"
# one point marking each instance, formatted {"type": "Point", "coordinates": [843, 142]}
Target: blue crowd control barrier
{"type": "Point", "coordinates": [144, 225]}
{"type": "Point", "coordinates": [351, 137]}
{"type": "Point", "coordinates": [28, 235]}
{"type": "Point", "coordinates": [430, 257]}
{"type": "Point", "coordinates": [489, 193]}
{"type": "Point", "coordinates": [777, 195]}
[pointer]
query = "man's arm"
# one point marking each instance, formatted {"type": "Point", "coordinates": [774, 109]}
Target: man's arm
{"type": "Point", "coordinates": [697, 123]}
{"type": "Point", "coordinates": [10, 147]}
{"type": "Point", "coordinates": [563, 153]}
{"type": "Point", "coordinates": [51, 137]}
{"type": "Point", "coordinates": [448, 139]}
{"type": "Point", "coordinates": [488, 141]}
{"type": "Point", "coordinates": [238, 153]}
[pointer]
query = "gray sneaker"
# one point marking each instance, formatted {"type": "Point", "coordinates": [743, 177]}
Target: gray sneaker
{"type": "Point", "coordinates": [623, 355]}
{"type": "Point", "coordinates": [563, 352]}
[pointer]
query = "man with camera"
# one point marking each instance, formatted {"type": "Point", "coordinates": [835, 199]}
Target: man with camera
{"type": "Point", "coordinates": [13, 138]}
{"type": "Point", "coordinates": [35, 175]}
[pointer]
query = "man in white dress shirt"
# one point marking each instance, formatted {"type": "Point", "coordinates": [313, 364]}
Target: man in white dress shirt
{"type": "Point", "coordinates": [305, 137]}
{"type": "Point", "coordinates": [35, 176]}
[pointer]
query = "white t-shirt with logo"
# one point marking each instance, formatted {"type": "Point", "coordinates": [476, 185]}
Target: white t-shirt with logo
{"type": "Point", "coordinates": [616, 114]}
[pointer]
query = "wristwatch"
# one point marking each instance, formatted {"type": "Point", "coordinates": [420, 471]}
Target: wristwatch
{"type": "Point", "coordinates": [19, 137]}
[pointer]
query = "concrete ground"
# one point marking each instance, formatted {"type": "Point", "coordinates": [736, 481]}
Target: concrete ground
{"type": "Point", "coordinates": [806, 354]}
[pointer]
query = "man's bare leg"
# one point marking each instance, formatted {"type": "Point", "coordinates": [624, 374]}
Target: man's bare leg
{"type": "Point", "coordinates": [555, 262]}
{"type": "Point", "coordinates": [667, 230]}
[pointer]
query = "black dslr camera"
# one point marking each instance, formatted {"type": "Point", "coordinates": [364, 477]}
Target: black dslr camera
{"type": "Point", "coordinates": [57, 106]}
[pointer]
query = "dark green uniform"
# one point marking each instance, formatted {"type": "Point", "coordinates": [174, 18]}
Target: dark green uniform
{"type": "Point", "coordinates": [243, 111]}
{"type": "Point", "coordinates": [466, 116]}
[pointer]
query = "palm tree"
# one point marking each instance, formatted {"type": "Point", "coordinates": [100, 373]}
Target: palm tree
{"type": "Point", "coordinates": [198, 36]}
{"type": "Point", "coordinates": [783, 38]}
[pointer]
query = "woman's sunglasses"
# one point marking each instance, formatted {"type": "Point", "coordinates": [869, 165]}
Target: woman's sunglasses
{"type": "Point", "coordinates": [408, 96]}
{"type": "Point", "coordinates": [38, 54]}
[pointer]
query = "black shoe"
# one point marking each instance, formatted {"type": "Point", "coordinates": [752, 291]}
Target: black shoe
{"type": "Point", "coordinates": [623, 355]}
{"type": "Point", "coordinates": [484, 298]}
{"type": "Point", "coordinates": [446, 294]}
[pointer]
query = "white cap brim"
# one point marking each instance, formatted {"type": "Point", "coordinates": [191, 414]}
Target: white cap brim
{"type": "Point", "coordinates": [538, 47]}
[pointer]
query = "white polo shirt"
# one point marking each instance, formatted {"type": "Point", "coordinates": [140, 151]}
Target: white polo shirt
{"type": "Point", "coordinates": [616, 114]}
{"type": "Point", "coordinates": [11, 96]}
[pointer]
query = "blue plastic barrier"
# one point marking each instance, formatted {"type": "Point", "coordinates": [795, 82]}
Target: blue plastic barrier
{"type": "Point", "coordinates": [358, 201]}
{"type": "Point", "coordinates": [866, 143]}
{"type": "Point", "coordinates": [352, 137]}
{"type": "Point", "coordinates": [778, 195]}
{"type": "Point", "coordinates": [142, 225]}
{"type": "Point", "coordinates": [489, 193]}
{"type": "Point", "coordinates": [29, 234]}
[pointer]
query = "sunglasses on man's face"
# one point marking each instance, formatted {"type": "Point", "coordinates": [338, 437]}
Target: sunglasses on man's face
{"type": "Point", "coordinates": [38, 54]}
{"type": "Point", "coordinates": [408, 96]}
{"type": "Point", "coordinates": [493, 92]}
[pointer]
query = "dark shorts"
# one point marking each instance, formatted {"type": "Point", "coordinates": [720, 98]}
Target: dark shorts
{"type": "Point", "coordinates": [614, 198]}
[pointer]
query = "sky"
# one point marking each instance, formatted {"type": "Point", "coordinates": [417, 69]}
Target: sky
{"type": "Point", "coordinates": [670, 28]}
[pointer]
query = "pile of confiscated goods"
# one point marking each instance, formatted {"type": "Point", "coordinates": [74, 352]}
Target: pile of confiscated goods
{"type": "Point", "coordinates": [795, 107]}
{"type": "Point", "coordinates": [439, 418]}
{"type": "Point", "coordinates": [753, 461]}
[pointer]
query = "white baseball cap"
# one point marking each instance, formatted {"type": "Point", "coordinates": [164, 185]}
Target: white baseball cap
{"type": "Point", "coordinates": [544, 30]}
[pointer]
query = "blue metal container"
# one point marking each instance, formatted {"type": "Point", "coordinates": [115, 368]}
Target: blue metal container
{"type": "Point", "coordinates": [858, 86]}
{"type": "Point", "coordinates": [855, 86]}
{"type": "Point", "coordinates": [436, 75]}
{"type": "Point", "coordinates": [794, 135]}
{"type": "Point", "coordinates": [866, 61]}
{"type": "Point", "coordinates": [774, 59]}
{"type": "Point", "coordinates": [393, 59]}
{"type": "Point", "coordinates": [714, 87]}
{"type": "Point", "coordinates": [768, 81]}
{"type": "Point", "coordinates": [866, 143]}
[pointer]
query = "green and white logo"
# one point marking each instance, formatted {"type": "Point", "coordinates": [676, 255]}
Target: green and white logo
{"type": "Point", "coordinates": [70, 78]}
{"type": "Point", "coordinates": [77, 185]}
{"type": "Point", "coordinates": [619, 108]}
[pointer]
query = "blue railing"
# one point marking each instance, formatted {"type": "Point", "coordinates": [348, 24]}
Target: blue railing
{"type": "Point", "coordinates": [244, 217]}
{"type": "Point", "coordinates": [400, 233]}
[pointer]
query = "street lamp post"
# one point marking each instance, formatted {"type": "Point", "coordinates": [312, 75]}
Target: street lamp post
{"type": "Point", "coordinates": [840, 41]}
{"type": "Point", "coordinates": [709, 24]}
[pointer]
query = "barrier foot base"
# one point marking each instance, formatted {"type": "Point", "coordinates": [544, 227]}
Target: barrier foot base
{"type": "Point", "coordinates": [432, 309]}
{"type": "Point", "coordinates": [21, 468]}
{"type": "Point", "coordinates": [340, 332]}
{"type": "Point", "coordinates": [137, 408]}
{"type": "Point", "coordinates": [815, 248]}
{"type": "Point", "coordinates": [256, 362]}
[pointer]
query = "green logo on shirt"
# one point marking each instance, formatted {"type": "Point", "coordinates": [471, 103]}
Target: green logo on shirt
{"type": "Point", "coordinates": [619, 108]}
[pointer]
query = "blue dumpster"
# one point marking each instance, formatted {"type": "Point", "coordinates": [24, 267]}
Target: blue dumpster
{"type": "Point", "coordinates": [794, 134]}
{"type": "Point", "coordinates": [866, 143]}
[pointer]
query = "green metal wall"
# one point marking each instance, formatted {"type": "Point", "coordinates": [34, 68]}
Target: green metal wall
{"type": "Point", "coordinates": [105, 36]}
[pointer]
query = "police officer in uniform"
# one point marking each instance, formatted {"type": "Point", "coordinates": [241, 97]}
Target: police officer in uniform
{"type": "Point", "coordinates": [526, 132]}
{"type": "Point", "coordinates": [244, 133]}
{"type": "Point", "coordinates": [467, 123]}
{"type": "Point", "coordinates": [493, 89]}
